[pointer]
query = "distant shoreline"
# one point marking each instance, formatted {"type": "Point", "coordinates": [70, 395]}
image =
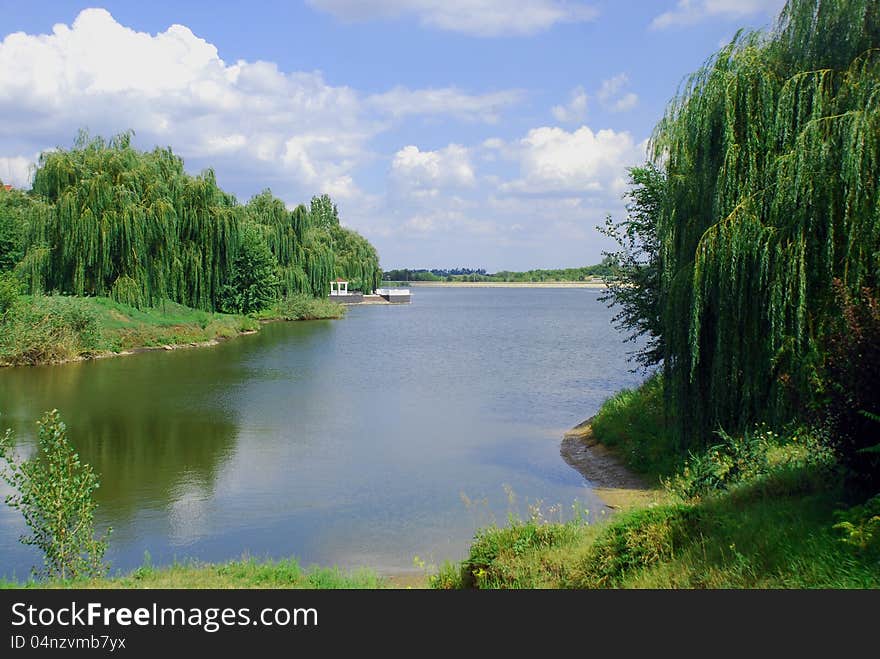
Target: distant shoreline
{"type": "Point", "coordinates": [503, 284]}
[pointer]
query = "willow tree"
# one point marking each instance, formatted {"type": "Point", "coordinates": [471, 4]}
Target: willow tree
{"type": "Point", "coordinates": [772, 153]}
{"type": "Point", "coordinates": [131, 225]}
{"type": "Point", "coordinates": [107, 219]}
{"type": "Point", "coordinates": [284, 232]}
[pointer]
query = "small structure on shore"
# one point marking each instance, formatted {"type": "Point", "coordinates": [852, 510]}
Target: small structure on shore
{"type": "Point", "coordinates": [395, 295]}
{"type": "Point", "coordinates": [339, 293]}
{"type": "Point", "coordinates": [338, 287]}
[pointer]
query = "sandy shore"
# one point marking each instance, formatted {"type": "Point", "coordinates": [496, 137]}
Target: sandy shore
{"type": "Point", "coordinates": [505, 284]}
{"type": "Point", "coordinates": [615, 484]}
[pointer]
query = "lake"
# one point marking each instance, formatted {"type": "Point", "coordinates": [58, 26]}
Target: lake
{"type": "Point", "coordinates": [392, 433]}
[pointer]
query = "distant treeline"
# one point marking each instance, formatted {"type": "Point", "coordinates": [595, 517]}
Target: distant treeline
{"type": "Point", "coordinates": [605, 269]}
{"type": "Point", "coordinates": [105, 219]}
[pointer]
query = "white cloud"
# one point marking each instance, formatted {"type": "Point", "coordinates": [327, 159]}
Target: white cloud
{"type": "Point", "coordinates": [553, 160]}
{"type": "Point", "coordinates": [249, 120]}
{"type": "Point", "coordinates": [173, 88]}
{"type": "Point", "coordinates": [450, 101]}
{"type": "Point", "coordinates": [613, 95]}
{"type": "Point", "coordinates": [575, 110]}
{"type": "Point", "coordinates": [484, 18]}
{"type": "Point", "coordinates": [424, 173]}
{"type": "Point", "coordinates": [690, 12]}
{"type": "Point", "coordinates": [16, 171]}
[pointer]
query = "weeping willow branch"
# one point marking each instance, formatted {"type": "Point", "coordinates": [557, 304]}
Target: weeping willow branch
{"type": "Point", "coordinates": [772, 151]}
{"type": "Point", "coordinates": [135, 226]}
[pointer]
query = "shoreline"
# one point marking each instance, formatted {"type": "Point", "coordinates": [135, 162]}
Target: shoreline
{"type": "Point", "coordinates": [612, 481]}
{"type": "Point", "coordinates": [505, 284]}
{"type": "Point", "coordinates": [168, 347]}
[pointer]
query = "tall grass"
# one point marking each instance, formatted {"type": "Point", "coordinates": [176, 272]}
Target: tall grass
{"type": "Point", "coordinates": [46, 329]}
{"type": "Point", "coordinates": [753, 511]}
{"type": "Point", "coordinates": [244, 573]}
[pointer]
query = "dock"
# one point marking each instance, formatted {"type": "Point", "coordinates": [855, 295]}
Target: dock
{"type": "Point", "coordinates": [339, 293]}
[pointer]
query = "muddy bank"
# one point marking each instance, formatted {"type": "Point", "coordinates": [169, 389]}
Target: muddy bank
{"type": "Point", "coordinates": [617, 485]}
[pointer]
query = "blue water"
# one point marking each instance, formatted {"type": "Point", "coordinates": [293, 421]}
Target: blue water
{"type": "Point", "coordinates": [392, 433]}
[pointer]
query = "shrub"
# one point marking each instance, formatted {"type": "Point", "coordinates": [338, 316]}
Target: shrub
{"type": "Point", "coordinates": [9, 290]}
{"type": "Point", "coordinates": [852, 394]}
{"type": "Point", "coordinates": [54, 492]}
{"type": "Point", "coordinates": [860, 525]}
{"type": "Point", "coordinates": [253, 284]}
{"type": "Point", "coordinates": [732, 461]}
{"type": "Point", "coordinates": [48, 329]}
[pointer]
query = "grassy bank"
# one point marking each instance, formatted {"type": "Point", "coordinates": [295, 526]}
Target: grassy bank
{"type": "Point", "coordinates": [246, 573]}
{"type": "Point", "coordinates": [763, 511]}
{"type": "Point", "coordinates": [53, 329]}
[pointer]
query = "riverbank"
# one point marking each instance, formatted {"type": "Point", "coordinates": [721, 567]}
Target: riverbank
{"type": "Point", "coordinates": [617, 485]}
{"type": "Point", "coordinates": [59, 329]}
{"type": "Point", "coordinates": [500, 284]}
{"type": "Point", "coordinates": [762, 513]}
{"type": "Point", "coordinates": [245, 573]}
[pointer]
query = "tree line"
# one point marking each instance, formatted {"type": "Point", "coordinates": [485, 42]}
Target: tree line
{"type": "Point", "coordinates": [604, 269]}
{"type": "Point", "coordinates": [105, 219]}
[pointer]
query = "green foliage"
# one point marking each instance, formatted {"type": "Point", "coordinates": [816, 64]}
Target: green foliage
{"type": "Point", "coordinates": [10, 288]}
{"type": "Point", "coordinates": [108, 220]}
{"type": "Point", "coordinates": [16, 209]}
{"type": "Point", "coordinates": [54, 491]}
{"type": "Point", "coordinates": [302, 307]}
{"type": "Point", "coordinates": [43, 330]}
{"type": "Point", "coordinates": [634, 285]}
{"type": "Point", "coordinates": [772, 154]}
{"type": "Point", "coordinates": [734, 460]}
{"type": "Point", "coordinates": [851, 375]}
{"type": "Point", "coordinates": [244, 573]}
{"type": "Point", "coordinates": [494, 546]}
{"type": "Point", "coordinates": [635, 541]}
{"type": "Point", "coordinates": [768, 524]}
{"type": "Point", "coordinates": [859, 526]}
{"type": "Point", "coordinates": [587, 273]}
{"type": "Point", "coordinates": [253, 284]}
{"type": "Point", "coordinates": [121, 217]}
{"type": "Point", "coordinates": [634, 423]}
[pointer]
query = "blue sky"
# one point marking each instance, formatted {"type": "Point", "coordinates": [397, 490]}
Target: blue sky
{"type": "Point", "coordinates": [478, 133]}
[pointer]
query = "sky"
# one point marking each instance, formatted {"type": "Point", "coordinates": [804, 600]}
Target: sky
{"type": "Point", "coordinates": [488, 134]}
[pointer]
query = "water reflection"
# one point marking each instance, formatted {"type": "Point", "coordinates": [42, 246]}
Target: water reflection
{"type": "Point", "coordinates": [346, 442]}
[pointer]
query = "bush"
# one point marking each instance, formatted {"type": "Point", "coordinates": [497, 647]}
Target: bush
{"type": "Point", "coordinates": [860, 525]}
{"type": "Point", "coordinates": [734, 460]}
{"type": "Point", "coordinates": [852, 394]}
{"type": "Point", "coordinates": [48, 329]}
{"type": "Point", "coordinates": [9, 293]}
{"type": "Point", "coordinates": [54, 492]}
{"type": "Point", "coordinates": [253, 284]}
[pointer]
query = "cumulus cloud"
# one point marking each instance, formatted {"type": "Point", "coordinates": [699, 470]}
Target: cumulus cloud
{"type": "Point", "coordinates": [575, 110]}
{"type": "Point", "coordinates": [249, 120]}
{"type": "Point", "coordinates": [425, 173]}
{"type": "Point", "coordinates": [690, 12]}
{"type": "Point", "coordinates": [562, 186]}
{"type": "Point", "coordinates": [483, 18]}
{"type": "Point", "coordinates": [450, 101]}
{"type": "Point", "coordinates": [553, 160]}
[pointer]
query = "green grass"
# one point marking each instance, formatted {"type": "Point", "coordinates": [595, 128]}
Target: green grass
{"type": "Point", "coordinates": [633, 424]}
{"type": "Point", "coordinates": [302, 307]}
{"type": "Point", "coordinates": [766, 524]}
{"type": "Point", "coordinates": [55, 328]}
{"type": "Point", "coordinates": [246, 573]}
